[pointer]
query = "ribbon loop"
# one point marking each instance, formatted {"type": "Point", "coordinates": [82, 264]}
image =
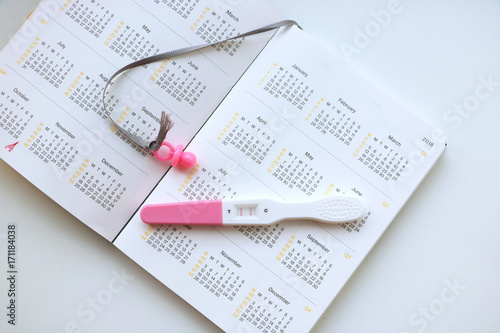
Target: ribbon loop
{"type": "Point", "coordinates": [165, 121]}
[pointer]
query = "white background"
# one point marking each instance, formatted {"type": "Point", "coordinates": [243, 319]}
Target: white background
{"type": "Point", "coordinates": [436, 269]}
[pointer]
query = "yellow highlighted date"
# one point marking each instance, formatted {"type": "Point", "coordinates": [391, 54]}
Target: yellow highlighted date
{"type": "Point", "coordinates": [79, 171]}
{"type": "Point", "coordinates": [244, 303]}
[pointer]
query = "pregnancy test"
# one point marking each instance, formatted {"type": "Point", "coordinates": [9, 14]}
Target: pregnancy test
{"type": "Point", "coordinates": [335, 209]}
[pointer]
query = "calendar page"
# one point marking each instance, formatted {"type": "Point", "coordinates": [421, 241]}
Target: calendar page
{"type": "Point", "coordinates": [52, 73]}
{"type": "Point", "coordinates": [299, 125]}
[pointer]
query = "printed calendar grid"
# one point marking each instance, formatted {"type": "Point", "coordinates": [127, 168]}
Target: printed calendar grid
{"type": "Point", "coordinates": [204, 184]}
{"type": "Point", "coordinates": [51, 146]}
{"type": "Point", "coordinates": [381, 158]}
{"type": "Point", "coordinates": [286, 84]}
{"type": "Point", "coordinates": [218, 277]}
{"type": "Point", "coordinates": [93, 17]}
{"type": "Point", "coordinates": [266, 267]}
{"type": "Point", "coordinates": [263, 312]}
{"type": "Point", "coordinates": [211, 27]}
{"type": "Point", "coordinates": [243, 167]}
{"type": "Point", "coordinates": [248, 137]}
{"type": "Point", "coordinates": [268, 235]}
{"type": "Point", "coordinates": [213, 273]}
{"type": "Point", "coordinates": [333, 122]}
{"type": "Point", "coordinates": [127, 41]}
{"type": "Point", "coordinates": [171, 240]}
{"type": "Point", "coordinates": [305, 262]}
{"type": "Point", "coordinates": [181, 8]}
{"type": "Point", "coordinates": [14, 117]}
{"type": "Point", "coordinates": [356, 225]}
{"type": "Point", "coordinates": [85, 92]}
{"type": "Point", "coordinates": [295, 172]}
{"type": "Point", "coordinates": [178, 81]}
{"type": "Point", "coordinates": [47, 61]}
{"type": "Point", "coordinates": [98, 185]}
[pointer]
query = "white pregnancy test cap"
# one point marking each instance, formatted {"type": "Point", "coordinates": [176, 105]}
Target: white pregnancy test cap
{"type": "Point", "coordinates": [334, 209]}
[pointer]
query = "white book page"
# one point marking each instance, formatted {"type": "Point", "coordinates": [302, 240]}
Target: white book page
{"type": "Point", "coordinates": [52, 73]}
{"type": "Point", "coordinates": [299, 124]}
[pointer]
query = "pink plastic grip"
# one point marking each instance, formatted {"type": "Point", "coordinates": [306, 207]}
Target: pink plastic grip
{"type": "Point", "coordinates": [191, 212]}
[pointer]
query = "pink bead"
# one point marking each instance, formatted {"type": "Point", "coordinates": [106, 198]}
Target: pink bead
{"type": "Point", "coordinates": [188, 159]}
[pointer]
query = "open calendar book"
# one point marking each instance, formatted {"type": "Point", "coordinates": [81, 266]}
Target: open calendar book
{"type": "Point", "coordinates": [273, 115]}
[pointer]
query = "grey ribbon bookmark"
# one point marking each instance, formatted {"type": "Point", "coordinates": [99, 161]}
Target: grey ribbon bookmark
{"type": "Point", "coordinates": [165, 121]}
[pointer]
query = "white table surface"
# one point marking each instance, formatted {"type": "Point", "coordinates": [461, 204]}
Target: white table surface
{"type": "Point", "coordinates": [436, 269]}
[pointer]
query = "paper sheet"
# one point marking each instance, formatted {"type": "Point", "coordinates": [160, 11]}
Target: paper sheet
{"type": "Point", "coordinates": [52, 72]}
{"type": "Point", "coordinates": [299, 124]}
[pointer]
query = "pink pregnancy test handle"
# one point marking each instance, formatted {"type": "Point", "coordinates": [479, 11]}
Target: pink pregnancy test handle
{"type": "Point", "coordinates": [191, 212]}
